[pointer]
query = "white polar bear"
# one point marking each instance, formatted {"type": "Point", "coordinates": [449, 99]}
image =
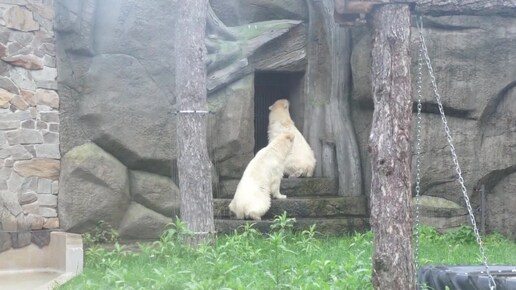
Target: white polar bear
{"type": "Point", "coordinates": [261, 179]}
{"type": "Point", "coordinates": [301, 160]}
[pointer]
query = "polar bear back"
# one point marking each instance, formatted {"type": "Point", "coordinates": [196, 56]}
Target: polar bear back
{"type": "Point", "coordinates": [301, 160]}
{"type": "Point", "coordinates": [253, 193]}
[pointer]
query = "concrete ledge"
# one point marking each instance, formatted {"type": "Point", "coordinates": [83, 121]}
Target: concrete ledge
{"type": "Point", "coordinates": [32, 267]}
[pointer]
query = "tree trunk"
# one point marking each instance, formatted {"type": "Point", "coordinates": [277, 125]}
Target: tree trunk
{"type": "Point", "coordinates": [194, 166]}
{"type": "Point", "coordinates": [389, 145]}
{"type": "Point", "coordinates": [327, 124]}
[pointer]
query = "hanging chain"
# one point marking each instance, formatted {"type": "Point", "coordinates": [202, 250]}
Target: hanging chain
{"type": "Point", "coordinates": [418, 154]}
{"type": "Point", "coordinates": [492, 283]}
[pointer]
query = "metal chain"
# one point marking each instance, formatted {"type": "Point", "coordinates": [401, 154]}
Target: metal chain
{"type": "Point", "coordinates": [418, 155]}
{"type": "Point", "coordinates": [492, 283]}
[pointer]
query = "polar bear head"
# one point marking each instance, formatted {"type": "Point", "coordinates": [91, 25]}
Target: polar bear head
{"type": "Point", "coordinates": [279, 113]}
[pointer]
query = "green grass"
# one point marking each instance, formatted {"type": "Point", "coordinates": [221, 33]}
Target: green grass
{"type": "Point", "coordinates": [281, 260]}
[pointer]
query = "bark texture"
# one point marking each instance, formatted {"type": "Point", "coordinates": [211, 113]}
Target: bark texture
{"type": "Point", "coordinates": [436, 7]}
{"type": "Point", "coordinates": [466, 7]}
{"type": "Point", "coordinates": [327, 116]}
{"type": "Point", "coordinates": [194, 166]}
{"type": "Point", "coordinates": [389, 145]}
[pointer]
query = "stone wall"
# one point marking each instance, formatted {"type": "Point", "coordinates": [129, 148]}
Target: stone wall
{"type": "Point", "coordinates": [29, 122]}
{"type": "Point", "coordinates": [475, 66]}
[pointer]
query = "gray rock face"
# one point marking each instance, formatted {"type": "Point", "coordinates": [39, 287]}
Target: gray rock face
{"type": "Point", "coordinates": [476, 78]}
{"type": "Point", "coordinates": [501, 208]}
{"type": "Point", "coordinates": [237, 12]}
{"type": "Point", "coordinates": [121, 92]}
{"type": "Point", "coordinates": [155, 192]}
{"type": "Point", "coordinates": [231, 129]}
{"type": "Point", "coordinates": [125, 111]}
{"type": "Point", "coordinates": [94, 187]}
{"type": "Point", "coordinates": [142, 223]}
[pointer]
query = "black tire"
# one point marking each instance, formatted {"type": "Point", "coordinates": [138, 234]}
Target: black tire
{"type": "Point", "coordinates": [466, 277]}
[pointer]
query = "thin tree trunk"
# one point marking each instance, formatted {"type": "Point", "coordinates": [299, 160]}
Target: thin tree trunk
{"type": "Point", "coordinates": [327, 124]}
{"type": "Point", "coordinates": [389, 145]}
{"type": "Point", "coordinates": [194, 166]}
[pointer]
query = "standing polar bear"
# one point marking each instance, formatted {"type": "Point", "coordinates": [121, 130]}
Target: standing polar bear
{"type": "Point", "coordinates": [301, 159]}
{"type": "Point", "coordinates": [261, 179]}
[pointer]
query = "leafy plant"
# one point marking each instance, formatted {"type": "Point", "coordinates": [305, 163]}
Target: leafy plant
{"type": "Point", "coordinates": [283, 223]}
{"type": "Point", "coordinates": [462, 235]}
{"type": "Point", "coordinates": [102, 233]}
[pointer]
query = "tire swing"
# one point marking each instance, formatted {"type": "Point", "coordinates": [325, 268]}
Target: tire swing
{"type": "Point", "coordinates": [452, 277]}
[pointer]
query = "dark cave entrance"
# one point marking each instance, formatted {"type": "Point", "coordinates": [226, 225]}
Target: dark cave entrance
{"type": "Point", "coordinates": [269, 87]}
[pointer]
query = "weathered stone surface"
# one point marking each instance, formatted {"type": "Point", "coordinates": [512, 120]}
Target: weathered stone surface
{"type": "Point", "coordinates": [21, 239]}
{"type": "Point", "coordinates": [36, 221]}
{"type": "Point", "coordinates": [5, 98]}
{"type": "Point", "coordinates": [48, 200]}
{"type": "Point", "coordinates": [47, 97]}
{"type": "Point", "coordinates": [27, 197]}
{"type": "Point", "coordinates": [30, 184]}
{"type": "Point", "coordinates": [155, 192]}
{"type": "Point", "coordinates": [22, 78]}
{"type": "Point", "coordinates": [55, 187]}
{"type": "Point", "coordinates": [289, 186]}
{"type": "Point", "coordinates": [27, 61]}
{"type": "Point", "coordinates": [41, 238]}
{"type": "Point", "coordinates": [3, 50]}
{"type": "Point", "coordinates": [44, 168]}
{"type": "Point", "coordinates": [9, 222]}
{"type": "Point", "coordinates": [47, 212]}
{"type": "Point", "coordinates": [10, 208]}
{"type": "Point", "coordinates": [478, 97]}
{"type": "Point", "coordinates": [47, 74]}
{"type": "Point", "coordinates": [10, 120]}
{"type": "Point", "coordinates": [31, 208]}
{"type": "Point", "coordinates": [44, 185]}
{"type": "Point", "coordinates": [53, 128]}
{"type": "Point", "coordinates": [8, 85]}
{"type": "Point", "coordinates": [20, 18]}
{"type": "Point", "coordinates": [45, 11]}
{"type": "Point", "coordinates": [94, 186]}
{"type": "Point", "coordinates": [29, 97]}
{"type": "Point", "coordinates": [50, 117]}
{"type": "Point", "coordinates": [125, 122]}
{"type": "Point", "coordinates": [21, 40]}
{"type": "Point", "coordinates": [444, 224]}
{"type": "Point", "coordinates": [15, 182]}
{"type": "Point", "coordinates": [51, 223]}
{"type": "Point", "coordinates": [140, 222]}
{"type": "Point", "coordinates": [29, 124]}
{"type": "Point", "coordinates": [16, 152]}
{"type": "Point", "coordinates": [47, 151]}
{"type": "Point", "coordinates": [19, 103]}
{"type": "Point", "coordinates": [305, 207]}
{"type": "Point", "coordinates": [231, 129]}
{"type": "Point", "coordinates": [235, 12]}
{"type": "Point", "coordinates": [50, 137]}
{"type": "Point", "coordinates": [501, 208]}
{"type": "Point", "coordinates": [5, 241]}
{"type": "Point", "coordinates": [124, 85]}
{"type": "Point", "coordinates": [24, 136]}
{"type": "Point", "coordinates": [441, 213]}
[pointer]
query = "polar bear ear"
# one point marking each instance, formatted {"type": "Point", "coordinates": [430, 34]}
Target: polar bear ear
{"type": "Point", "coordinates": [270, 108]}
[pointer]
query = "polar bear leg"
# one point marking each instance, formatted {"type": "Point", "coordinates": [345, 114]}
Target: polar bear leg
{"type": "Point", "coordinates": [255, 216]}
{"type": "Point", "coordinates": [275, 190]}
{"type": "Point", "coordinates": [297, 173]}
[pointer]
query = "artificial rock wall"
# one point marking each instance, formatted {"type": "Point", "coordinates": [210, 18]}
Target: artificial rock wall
{"type": "Point", "coordinates": [29, 123]}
